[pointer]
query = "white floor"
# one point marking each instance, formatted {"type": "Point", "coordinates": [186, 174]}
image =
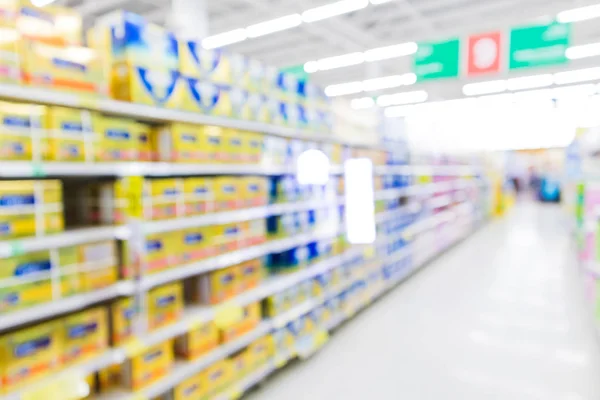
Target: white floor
{"type": "Point", "coordinates": [499, 317]}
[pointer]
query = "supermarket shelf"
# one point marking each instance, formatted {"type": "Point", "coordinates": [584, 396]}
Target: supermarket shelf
{"type": "Point", "coordinates": [157, 114]}
{"type": "Point", "coordinates": [70, 304]}
{"type": "Point", "coordinates": [248, 382]}
{"type": "Point", "coordinates": [448, 170]}
{"type": "Point", "coordinates": [389, 194]}
{"type": "Point", "coordinates": [69, 238]}
{"type": "Point", "coordinates": [234, 216]}
{"type": "Point", "coordinates": [229, 259]}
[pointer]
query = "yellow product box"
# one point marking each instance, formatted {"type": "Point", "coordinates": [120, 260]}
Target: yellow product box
{"type": "Point", "coordinates": [196, 244]}
{"type": "Point", "coordinates": [10, 63]}
{"type": "Point", "coordinates": [109, 378]}
{"type": "Point", "coordinates": [49, 24]}
{"type": "Point", "coordinates": [85, 335]}
{"type": "Point", "coordinates": [72, 68]}
{"type": "Point", "coordinates": [218, 377]}
{"type": "Point", "coordinates": [18, 122]}
{"type": "Point", "coordinates": [198, 341]}
{"type": "Point", "coordinates": [100, 265]}
{"type": "Point", "coordinates": [255, 192]}
{"type": "Point", "coordinates": [208, 64]}
{"type": "Point", "coordinates": [234, 145]}
{"type": "Point", "coordinates": [161, 251]}
{"type": "Point", "coordinates": [213, 143]}
{"type": "Point", "coordinates": [261, 351]}
{"type": "Point", "coordinates": [255, 147]}
{"type": "Point", "coordinates": [122, 313]}
{"type": "Point", "coordinates": [230, 236]}
{"type": "Point", "coordinates": [179, 142]}
{"type": "Point", "coordinates": [148, 86]}
{"type": "Point", "coordinates": [71, 136]}
{"type": "Point", "coordinates": [255, 232]}
{"type": "Point", "coordinates": [165, 305]}
{"type": "Point", "coordinates": [250, 273]}
{"type": "Point", "coordinates": [251, 318]}
{"type": "Point", "coordinates": [199, 195]}
{"type": "Point", "coordinates": [193, 388]}
{"type": "Point", "coordinates": [241, 364]}
{"type": "Point", "coordinates": [18, 200]}
{"type": "Point", "coordinates": [161, 197]}
{"type": "Point", "coordinates": [206, 97]}
{"type": "Point", "coordinates": [144, 134]}
{"type": "Point", "coordinates": [125, 38]}
{"type": "Point", "coordinates": [119, 138]}
{"type": "Point", "coordinates": [148, 367]}
{"type": "Point", "coordinates": [28, 355]}
{"type": "Point", "coordinates": [217, 286]}
{"type": "Point", "coordinates": [228, 191]}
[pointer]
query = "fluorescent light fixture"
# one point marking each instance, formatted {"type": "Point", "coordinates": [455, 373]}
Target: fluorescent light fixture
{"type": "Point", "coordinates": [399, 111]}
{"type": "Point", "coordinates": [393, 51]}
{"type": "Point", "coordinates": [377, 2]}
{"type": "Point", "coordinates": [579, 14]}
{"type": "Point", "coordinates": [489, 87]}
{"type": "Point", "coordinates": [530, 82]}
{"type": "Point", "coordinates": [333, 9]}
{"type": "Point", "coordinates": [42, 3]}
{"type": "Point", "coordinates": [362, 103]}
{"type": "Point", "coordinates": [578, 75]}
{"type": "Point", "coordinates": [395, 99]}
{"type": "Point", "coordinates": [342, 89]}
{"type": "Point", "coordinates": [225, 38]}
{"type": "Point", "coordinates": [311, 66]}
{"type": "Point", "coordinates": [583, 51]}
{"type": "Point", "coordinates": [345, 60]}
{"type": "Point", "coordinates": [386, 82]}
{"type": "Point", "coordinates": [274, 25]}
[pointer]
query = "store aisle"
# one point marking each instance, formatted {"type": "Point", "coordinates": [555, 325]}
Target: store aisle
{"type": "Point", "coordinates": [499, 317]}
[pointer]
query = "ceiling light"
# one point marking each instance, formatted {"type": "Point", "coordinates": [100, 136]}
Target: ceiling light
{"type": "Point", "coordinates": [418, 96]}
{"type": "Point", "coordinates": [311, 66]}
{"type": "Point", "coordinates": [377, 2]}
{"type": "Point", "coordinates": [530, 82]}
{"type": "Point", "coordinates": [398, 111]}
{"type": "Point", "coordinates": [394, 51]}
{"type": "Point", "coordinates": [333, 9]}
{"type": "Point", "coordinates": [578, 75]}
{"type": "Point", "coordinates": [225, 38]}
{"type": "Point", "coordinates": [583, 51]}
{"type": "Point", "coordinates": [343, 89]}
{"type": "Point", "coordinates": [579, 14]}
{"type": "Point", "coordinates": [42, 3]}
{"type": "Point", "coordinates": [386, 82]}
{"type": "Point", "coordinates": [274, 25]}
{"type": "Point", "coordinates": [362, 103]}
{"type": "Point", "coordinates": [489, 87]}
{"type": "Point", "coordinates": [345, 60]}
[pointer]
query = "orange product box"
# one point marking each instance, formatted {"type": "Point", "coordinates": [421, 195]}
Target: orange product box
{"type": "Point", "coordinates": [251, 319]}
{"type": "Point", "coordinates": [251, 273]}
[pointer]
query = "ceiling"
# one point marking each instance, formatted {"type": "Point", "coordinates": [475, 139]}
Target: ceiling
{"type": "Point", "coordinates": [393, 22]}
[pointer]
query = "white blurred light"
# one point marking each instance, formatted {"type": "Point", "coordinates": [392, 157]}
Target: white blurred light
{"type": "Point", "coordinates": [579, 14]}
{"type": "Point", "coordinates": [312, 168]}
{"type": "Point", "coordinates": [274, 25]}
{"type": "Point", "coordinates": [583, 51]}
{"type": "Point", "coordinates": [225, 38]}
{"type": "Point", "coordinates": [376, 2]}
{"type": "Point", "coordinates": [362, 103]}
{"type": "Point", "coordinates": [360, 201]}
{"type": "Point", "coordinates": [578, 75]}
{"type": "Point", "coordinates": [345, 60]}
{"type": "Point", "coordinates": [341, 89]}
{"type": "Point", "coordinates": [311, 66]}
{"type": "Point", "coordinates": [393, 51]}
{"type": "Point", "coordinates": [333, 9]}
{"type": "Point", "coordinates": [388, 82]}
{"type": "Point", "coordinates": [42, 3]}
{"type": "Point", "coordinates": [530, 82]}
{"type": "Point", "coordinates": [418, 96]}
{"type": "Point", "coordinates": [476, 89]}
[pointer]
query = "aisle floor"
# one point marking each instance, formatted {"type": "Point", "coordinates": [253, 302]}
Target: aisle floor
{"type": "Point", "coordinates": [501, 316]}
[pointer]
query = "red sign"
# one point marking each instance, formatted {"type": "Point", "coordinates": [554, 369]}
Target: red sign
{"type": "Point", "coordinates": [484, 53]}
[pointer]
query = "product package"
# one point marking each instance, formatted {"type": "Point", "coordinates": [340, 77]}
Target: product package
{"type": "Point", "coordinates": [212, 65]}
{"type": "Point", "coordinates": [19, 126]}
{"type": "Point", "coordinates": [206, 97]}
{"type": "Point", "coordinates": [218, 377]}
{"type": "Point", "coordinates": [122, 312]}
{"type": "Point", "coordinates": [199, 195]}
{"type": "Point", "coordinates": [165, 305]}
{"type": "Point", "coordinates": [148, 367]}
{"type": "Point", "coordinates": [192, 388]}
{"type": "Point", "coordinates": [198, 341]}
{"type": "Point", "coordinates": [85, 335]}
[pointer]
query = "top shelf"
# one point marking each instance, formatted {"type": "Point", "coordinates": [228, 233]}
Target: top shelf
{"type": "Point", "coordinates": [158, 114]}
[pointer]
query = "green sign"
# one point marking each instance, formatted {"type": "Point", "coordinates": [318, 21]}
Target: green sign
{"type": "Point", "coordinates": [297, 70]}
{"type": "Point", "coordinates": [539, 45]}
{"type": "Point", "coordinates": [437, 60]}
